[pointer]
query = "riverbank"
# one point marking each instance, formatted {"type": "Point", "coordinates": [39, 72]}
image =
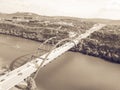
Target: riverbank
{"type": "Point", "coordinates": [70, 71]}
{"type": "Point", "coordinates": [103, 43]}
{"type": "Point", "coordinates": [40, 31]}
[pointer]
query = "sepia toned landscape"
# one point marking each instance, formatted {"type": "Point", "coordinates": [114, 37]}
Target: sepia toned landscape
{"type": "Point", "coordinates": [92, 64]}
{"type": "Point", "coordinates": [104, 43]}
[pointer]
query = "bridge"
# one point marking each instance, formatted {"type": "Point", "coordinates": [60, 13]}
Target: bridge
{"type": "Point", "coordinates": [37, 61]}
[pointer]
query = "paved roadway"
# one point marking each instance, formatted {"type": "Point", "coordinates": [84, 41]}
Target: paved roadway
{"type": "Point", "coordinates": [16, 76]}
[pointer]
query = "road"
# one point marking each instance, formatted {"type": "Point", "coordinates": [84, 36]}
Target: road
{"type": "Point", "coordinates": [16, 76]}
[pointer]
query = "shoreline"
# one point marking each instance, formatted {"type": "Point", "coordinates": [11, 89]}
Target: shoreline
{"type": "Point", "coordinates": [84, 49]}
{"type": "Point", "coordinates": [98, 44]}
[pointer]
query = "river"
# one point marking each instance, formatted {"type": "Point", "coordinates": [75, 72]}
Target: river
{"type": "Point", "coordinates": [71, 71]}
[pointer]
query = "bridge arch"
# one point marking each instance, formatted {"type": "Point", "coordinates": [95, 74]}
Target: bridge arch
{"type": "Point", "coordinates": [38, 51]}
{"type": "Point", "coordinates": [60, 42]}
{"type": "Point", "coordinates": [46, 41]}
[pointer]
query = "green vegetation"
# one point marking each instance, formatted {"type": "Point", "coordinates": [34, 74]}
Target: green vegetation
{"type": "Point", "coordinates": [40, 30]}
{"type": "Point", "coordinates": [35, 33]}
{"type": "Point", "coordinates": [104, 43]}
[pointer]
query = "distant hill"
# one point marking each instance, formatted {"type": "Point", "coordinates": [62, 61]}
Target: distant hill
{"type": "Point", "coordinates": [19, 14]}
{"type": "Point", "coordinates": [54, 18]}
{"type": "Point", "coordinates": [106, 21]}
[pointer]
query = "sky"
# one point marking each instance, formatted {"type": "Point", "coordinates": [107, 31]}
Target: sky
{"type": "Point", "coordinates": [109, 9]}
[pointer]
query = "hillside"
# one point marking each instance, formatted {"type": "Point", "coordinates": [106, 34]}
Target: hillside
{"type": "Point", "coordinates": [104, 43]}
{"type": "Point", "coordinates": [54, 18]}
{"type": "Point", "coordinates": [39, 28]}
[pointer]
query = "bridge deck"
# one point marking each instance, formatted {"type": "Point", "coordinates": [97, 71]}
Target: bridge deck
{"type": "Point", "coordinates": [16, 76]}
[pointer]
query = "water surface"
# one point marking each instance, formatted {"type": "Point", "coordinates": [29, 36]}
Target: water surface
{"type": "Point", "coordinates": [71, 71]}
